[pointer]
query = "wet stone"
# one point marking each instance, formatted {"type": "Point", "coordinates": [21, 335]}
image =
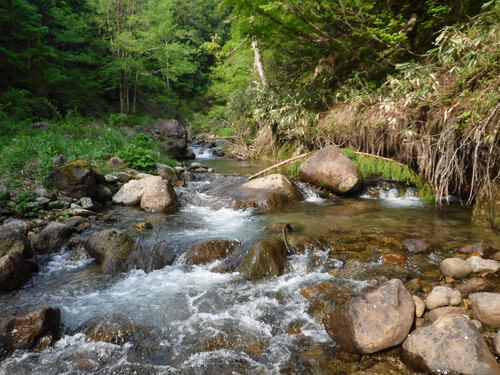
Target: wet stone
{"type": "Point", "coordinates": [415, 246]}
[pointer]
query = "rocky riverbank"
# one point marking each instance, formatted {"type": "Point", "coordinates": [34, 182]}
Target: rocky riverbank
{"type": "Point", "coordinates": [423, 306]}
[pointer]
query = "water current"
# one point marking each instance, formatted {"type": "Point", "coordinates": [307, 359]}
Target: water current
{"type": "Point", "coordinates": [193, 321]}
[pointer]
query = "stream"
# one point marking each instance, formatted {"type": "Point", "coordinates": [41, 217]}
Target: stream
{"type": "Point", "coordinates": [190, 320]}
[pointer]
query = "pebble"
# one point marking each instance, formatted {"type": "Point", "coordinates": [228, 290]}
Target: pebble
{"type": "Point", "coordinates": [478, 264]}
{"type": "Point", "coordinates": [442, 296]}
{"type": "Point", "coordinates": [455, 267]}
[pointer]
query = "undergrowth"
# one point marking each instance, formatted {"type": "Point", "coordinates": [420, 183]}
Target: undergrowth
{"type": "Point", "coordinates": [27, 154]}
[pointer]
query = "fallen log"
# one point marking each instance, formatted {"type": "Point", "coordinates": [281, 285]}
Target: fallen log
{"type": "Point", "coordinates": [278, 165]}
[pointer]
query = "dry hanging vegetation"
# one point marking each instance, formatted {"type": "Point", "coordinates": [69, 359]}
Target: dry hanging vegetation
{"type": "Point", "coordinates": [440, 118]}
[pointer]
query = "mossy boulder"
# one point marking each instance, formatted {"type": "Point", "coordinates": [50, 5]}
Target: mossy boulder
{"type": "Point", "coordinates": [486, 210]}
{"type": "Point", "coordinates": [110, 248]}
{"type": "Point", "coordinates": [76, 179]}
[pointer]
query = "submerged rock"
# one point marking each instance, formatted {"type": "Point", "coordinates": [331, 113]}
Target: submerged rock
{"type": "Point", "coordinates": [265, 258]}
{"type": "Point", "coordinates": [14, 272]}
{"type": "Point", "coordinates": [486, 308]}
{"type": "Point", "coordinates": [331, 169]}
{"type": "Point", "coordinates": [415, 246]}
{"type": "Point", "coordinates": [374, 321]}
{"type": "Point", "coordinates": [116, 329]}
{"type": "Point", "coordinates": [111, 249]}
{"type": "Point", "coordinates": [451, 345]}
{"type": "Point", "coordinates": [209, 251]}
{"type": "Point", "coordinates": [36, 330]}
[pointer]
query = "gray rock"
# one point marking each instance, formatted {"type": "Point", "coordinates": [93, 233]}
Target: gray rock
{"type": "Point", "coordinates": [172, 136]}
{"type": "Point", "coordinates": [87, 203]}
{"type": "Point", "coordinates": [4, 193]}
{"type": "Point", "coordinates": [44, 192]}
{"type": "Point", "coordinates": [111, 178]}
{"type": "Point", "coordinates": [478, 264]}
{"type": "Point", "coordinates": [17, 225]}
{"type": "Point", "coordinates": [14, 272]}
{"type": "Point", "coordinates": [486, 308]}
{"type": "Point", "coordinates": [166, 172]}
{"type": "Point", "coordinates": [111, 249]}
{"type": "Point", "coordinates": [455, 267]}
{"type": "Point", "coordinates": [442, 296]}
{"type": "Point", "coordinates": [331, 169]}
{"type": "Point", "coordinates": [51, 239]}
{"type": "Point", "coordinates": [451, 345]}
{"type": "Point", "coordinates": [103, 194]}
{"type": "Point", "coordinates": [374, 321]}
{"type": "Point", "coordinates": [476, 284]}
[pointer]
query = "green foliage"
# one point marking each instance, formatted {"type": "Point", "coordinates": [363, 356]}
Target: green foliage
{"type": "Point", "coordinates": [372, 167]}
{"type": "Point", "coordinates": [25, 204]}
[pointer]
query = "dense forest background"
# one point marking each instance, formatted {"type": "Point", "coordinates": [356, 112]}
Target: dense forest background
{"type": "Point", "coordinates": [415, 81]}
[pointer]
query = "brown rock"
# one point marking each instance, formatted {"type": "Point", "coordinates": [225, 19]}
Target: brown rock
{"type": "Point", "coordinates": [159, 196]}
{"type": "Point", "coordinates": [35, 330]}
{"type": "Point", "coordinates": [209, 251]}
{"type": "Point", "coordinates": [14, 272]}
{"type": "Point", "coordinates": [473, 285]}
{"type": "Point", "coordinates": [415, 246]}
{"type": "Point", "coordinates": [51, 238]}
{"type": "Point", "coordinates": [374, 321]}
{"type": "Point", "coordinates": [265, 258]}
{"type": "Point", "coordinates": [395, 258]}
{"type": "Point", "coordinates": [486, 308]}
{"type": "Point", "coordinates": [111, 249]}
{"type": "Point", "coordinates": [331, 169]}
{"type": "Point", "coordinates": [14, 242]}
{"type": "Point", "coordinates": [116, 329]}
{"type": "Point", "coordinates": [270, 191]}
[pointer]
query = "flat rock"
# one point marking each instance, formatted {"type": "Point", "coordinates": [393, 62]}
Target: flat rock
{"type": "Point", "coordinates": [451, 345]}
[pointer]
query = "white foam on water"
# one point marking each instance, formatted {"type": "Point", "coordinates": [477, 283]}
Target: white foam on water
{"type": "Point", "coordinates": [392, 198]}
{"type": "Point", "coordinates": [62, 262]}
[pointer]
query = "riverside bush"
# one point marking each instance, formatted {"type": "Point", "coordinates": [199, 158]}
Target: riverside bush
{"type": "Point", "coordinates": [28, 153]}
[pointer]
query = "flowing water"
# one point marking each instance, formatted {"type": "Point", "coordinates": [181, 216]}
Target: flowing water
{"type": "Point", "coordinates": [190, 320]}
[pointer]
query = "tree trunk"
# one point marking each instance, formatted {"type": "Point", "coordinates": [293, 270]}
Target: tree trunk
{"type": "Point", "coordinates": [258, 63]}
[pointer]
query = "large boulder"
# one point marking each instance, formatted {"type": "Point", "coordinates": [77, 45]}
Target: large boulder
{"type": "Point", "coordinates": [14, 272]}
{"type": "Point", "coordinates": [151, 193]}
{"type": "Point", "coordinates": [486, 308]}
{"type": "Point", "coordinates": [51, 238]}
{"type": "Point", "coordinates": [270, 191]}
{"type": "Point", "coordinates": [210, 251]}
{"type": "Point", "coordinates": [331, 169]}
{"type": "Point", "coordinates": [76, 179]}
{"type": "Point", "coordinates": [172, 136]}
{"type": "Point", "coordinates": [265, 258]}
{"type": "Point", "coordinates": [36, 330]}
{"type": "Point", "coordinates": [110, 248]}
{"type": "Point", "coordinates": [12, 241]}
{"type": "Point", "coordinates": [159, 196]}
{"type": "Point", "coordinates": [451, 345]}
{"type": "Point", "coordinates": [374, 321]}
